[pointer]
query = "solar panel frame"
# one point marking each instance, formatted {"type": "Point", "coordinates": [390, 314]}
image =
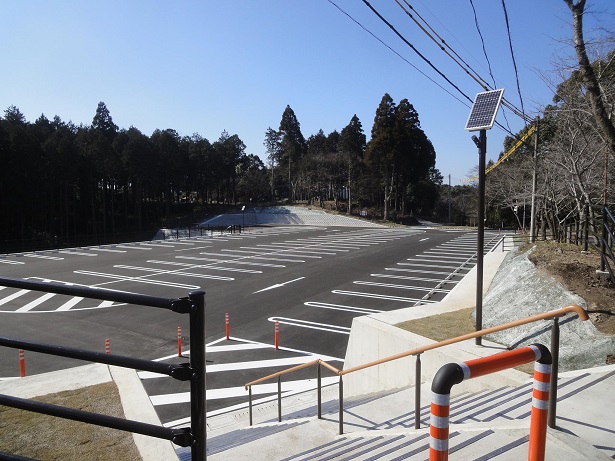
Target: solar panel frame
{"type": "Point", "coordinates": [484, 110]}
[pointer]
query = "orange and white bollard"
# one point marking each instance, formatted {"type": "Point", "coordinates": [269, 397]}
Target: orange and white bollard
{"type": "Point", "coordinates": [179, 341]}
{"type": "Point", "coordinates": [22, 364]}
{"type": "Point", "coordinates": [228, 327]}
{"type": "Point", "coordinates": [539, 415]}
{"type": "Point", "coordinates": [277, 335]}
{"type": "Point", "coordinates": [107, 346]}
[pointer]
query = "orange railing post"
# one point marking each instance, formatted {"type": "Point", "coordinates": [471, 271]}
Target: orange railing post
{"type": "Point", "coordinates": [22, 364]}
{"type": "Point", "coordinates": [179, 341]}
{"type": "Point", "coordinates": [228, 327]}
{"type": "Point", "coordinates": [454, 373]}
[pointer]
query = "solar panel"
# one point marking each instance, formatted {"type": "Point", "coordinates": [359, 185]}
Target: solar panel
{"type": "Point", "coordinates": [484, 110]}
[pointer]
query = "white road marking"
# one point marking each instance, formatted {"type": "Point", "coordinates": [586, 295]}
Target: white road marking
{"type": "Point", "coordinates": [108, 250]}
{"type": "Point", "coordinates": [134, 247]}
{"type": "Point", "coordinates": [339, 307]}
{"type": "Point", "coordinates": [36, 302]}
{"type": "Point", "coordinates": [77, 253]}
{"type": "Point", "coordinates": [403, 287]}
{"type": "Point", "coordinates": [15, 295]}
{"type": "Point", "coordinates": [377, 296]}
{"type": "Point", "coordinates": [418, 279]}
{"type": "Point", "coordinates": [8, 261]}
{"type": "Point", "coordinates": [225, 261]}
{"type": "Point", "coordinates": [52, 258]}
{"type": "Point", "coordinates": [70, 303]}
{"type": "Point", "coordinates": [416, 271]}
{"type": "Point", "coordinates": [278, 285]}
{"type": "Point", "coordinates": [251, 365]}
{"type": "Point", "coordinates": [160, 271]}
{"type": "Point", "coordinates": [139, 280]}
{"type": "Point", "coordinates": [240, 391]}
{"type": "Point", "coordinates": [311, 325]}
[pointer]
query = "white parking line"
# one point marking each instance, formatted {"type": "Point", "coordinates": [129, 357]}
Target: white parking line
{"type": "Point", "coordinates": [311, 325]}
{"type": "Point", "coordinates": [8, 261]}
{"type": "Point", "coordinates": [176, 272]}
{"type": "Point", "coordinates": [403, 287]}
{"type": "Point", "coordinates": [52, 258]}
{"type": "Point", "coordinates": [339, 307]}
{"type": "Point", "coordinates": [138, 280]}
{"type": "Point", "coordinates": [377, 296]}
{"type": "Point", "coordinates": [404, 277]}
{"type": "Point", "coordinates": [107, 250]}
{"type": "Point", "coordinates": [225, 261]}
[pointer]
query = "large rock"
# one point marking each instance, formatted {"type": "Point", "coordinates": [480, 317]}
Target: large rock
{"type": "Point", "coordinates": [519, 290]}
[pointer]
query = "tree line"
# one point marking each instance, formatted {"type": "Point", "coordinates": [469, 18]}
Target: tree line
{"type": "Point", "coordinates": [60, 181]}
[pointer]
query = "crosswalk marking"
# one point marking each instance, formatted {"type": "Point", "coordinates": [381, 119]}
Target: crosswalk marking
{"type": "Point", "coordinates": [36, 302]}
{"type": "Point", "coordinates": [13, 296]}
{"type": "Point", "coordinates": [70, 303]}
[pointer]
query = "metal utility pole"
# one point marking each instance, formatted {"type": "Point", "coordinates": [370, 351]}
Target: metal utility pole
{"type": "Point", "coordinates": [449, 198]}
{"type": "Point", "coordinates": [535, 167]}
{"type": "Point", "coordinates": [482, 117]}
{"type": "Point", "coordinates": [481, 143]}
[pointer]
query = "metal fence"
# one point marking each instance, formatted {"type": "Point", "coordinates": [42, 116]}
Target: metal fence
{"type": "Point", "coordinates": [194, 371]}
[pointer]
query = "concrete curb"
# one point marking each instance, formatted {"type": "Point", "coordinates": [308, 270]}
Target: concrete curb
{"type": "Point", "coordinates": [56, 381]}
{"type": "Point", "coordinates": [138, 407]}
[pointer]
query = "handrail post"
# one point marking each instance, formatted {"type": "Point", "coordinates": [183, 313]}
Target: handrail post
{"type": "Point", "coordinates": [554, 372]}
{"type": "Point", "coordinates": [341, 399]}
{"type": "Point", "coordinates": [319, 386]}
{"type": "Point", "coordinates": [417, 393]}
{"type": "Point", "coordinates": [197, 383]}
{"type": "Point", "coordinates": [280, 399]}
{"type": "Point", "coordinates": [250, 403]}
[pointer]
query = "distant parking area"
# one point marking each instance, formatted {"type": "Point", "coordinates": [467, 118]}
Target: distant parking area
{"type": "Point", "coordinates": [312, 280]}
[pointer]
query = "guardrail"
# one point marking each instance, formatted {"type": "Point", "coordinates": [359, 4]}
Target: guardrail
{"type": "Point", "coordinates": [507, 242]}
{"type": "Point", "coordinates": [194, 371]}
{"type": "Point", "coordinates": [551, 315]}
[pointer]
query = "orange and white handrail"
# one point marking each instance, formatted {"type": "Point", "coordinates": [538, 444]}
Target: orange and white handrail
{"type": "Point", "coordinates": [454, 373]}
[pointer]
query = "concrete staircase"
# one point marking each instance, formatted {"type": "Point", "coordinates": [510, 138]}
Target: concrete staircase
{"type": "Point", "coordinates": [491, 424]}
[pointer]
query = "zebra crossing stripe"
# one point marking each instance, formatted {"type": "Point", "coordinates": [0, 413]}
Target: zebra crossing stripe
{"type": "Point", "coordinates": [13, 296]}
{"type": "Point", "coordinates": [36, 302]}
{"type": "Point", "coordinates": [240, 391]}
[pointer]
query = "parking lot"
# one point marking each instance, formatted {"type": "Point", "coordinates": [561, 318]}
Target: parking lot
{"type": "Point", "coordinates": [312, 280]}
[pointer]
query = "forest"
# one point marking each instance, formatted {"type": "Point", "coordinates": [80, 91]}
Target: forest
{"type": "Point", "coordinates": [64, 184]}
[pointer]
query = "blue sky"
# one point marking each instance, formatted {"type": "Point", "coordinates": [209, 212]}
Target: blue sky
{"type": "Point", "coordinates": [207, 66]}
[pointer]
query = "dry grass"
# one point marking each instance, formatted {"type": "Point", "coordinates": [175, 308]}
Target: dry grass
{"type": "Point", "coordinates": [448, 325]}
{"type": "Point", "coordinates": [442, 326]}
{"type": "Point", "coordinates": [50, 439]}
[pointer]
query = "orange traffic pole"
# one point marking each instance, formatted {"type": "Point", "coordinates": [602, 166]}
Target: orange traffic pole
{"type": "Point", "coordinates": [179, 341]}
{"type": "Point", "coordinates": [107, 346]}
{"type": "Point", "coordinates": [22, 364]}
{"type": "Point", "coordinates": [277, 335]}
{"type": "Point", "coordinates": [228, 327]}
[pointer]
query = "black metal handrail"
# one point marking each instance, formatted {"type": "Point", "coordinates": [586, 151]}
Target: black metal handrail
{"type": "Point", "coordinates": [194, 371]}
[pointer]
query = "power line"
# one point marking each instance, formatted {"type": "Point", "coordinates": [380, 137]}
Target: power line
{"type": "Point", "coordinates": [399, 55]}
{"type": "Point", "coordinates": [512, 53]}
{"type": "Point", "coordinates": [415, 50]}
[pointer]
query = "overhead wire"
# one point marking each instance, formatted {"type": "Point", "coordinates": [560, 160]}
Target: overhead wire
{"type": "Point", "coordinates": [512, 54]}
{"type": "Point", "coordinates": [415, 50]}
{"type": "Point", "coordinates": [399, 55]}
{"type": "Point", "coordinates": [504, 102]}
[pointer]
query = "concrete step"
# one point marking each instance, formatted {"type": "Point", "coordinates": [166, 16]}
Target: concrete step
{"type": "Point", "coordinates": [492, 424]}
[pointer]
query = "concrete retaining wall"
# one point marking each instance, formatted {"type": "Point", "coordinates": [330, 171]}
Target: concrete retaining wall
{"type": "Point", "coordinates": [375, 336]}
